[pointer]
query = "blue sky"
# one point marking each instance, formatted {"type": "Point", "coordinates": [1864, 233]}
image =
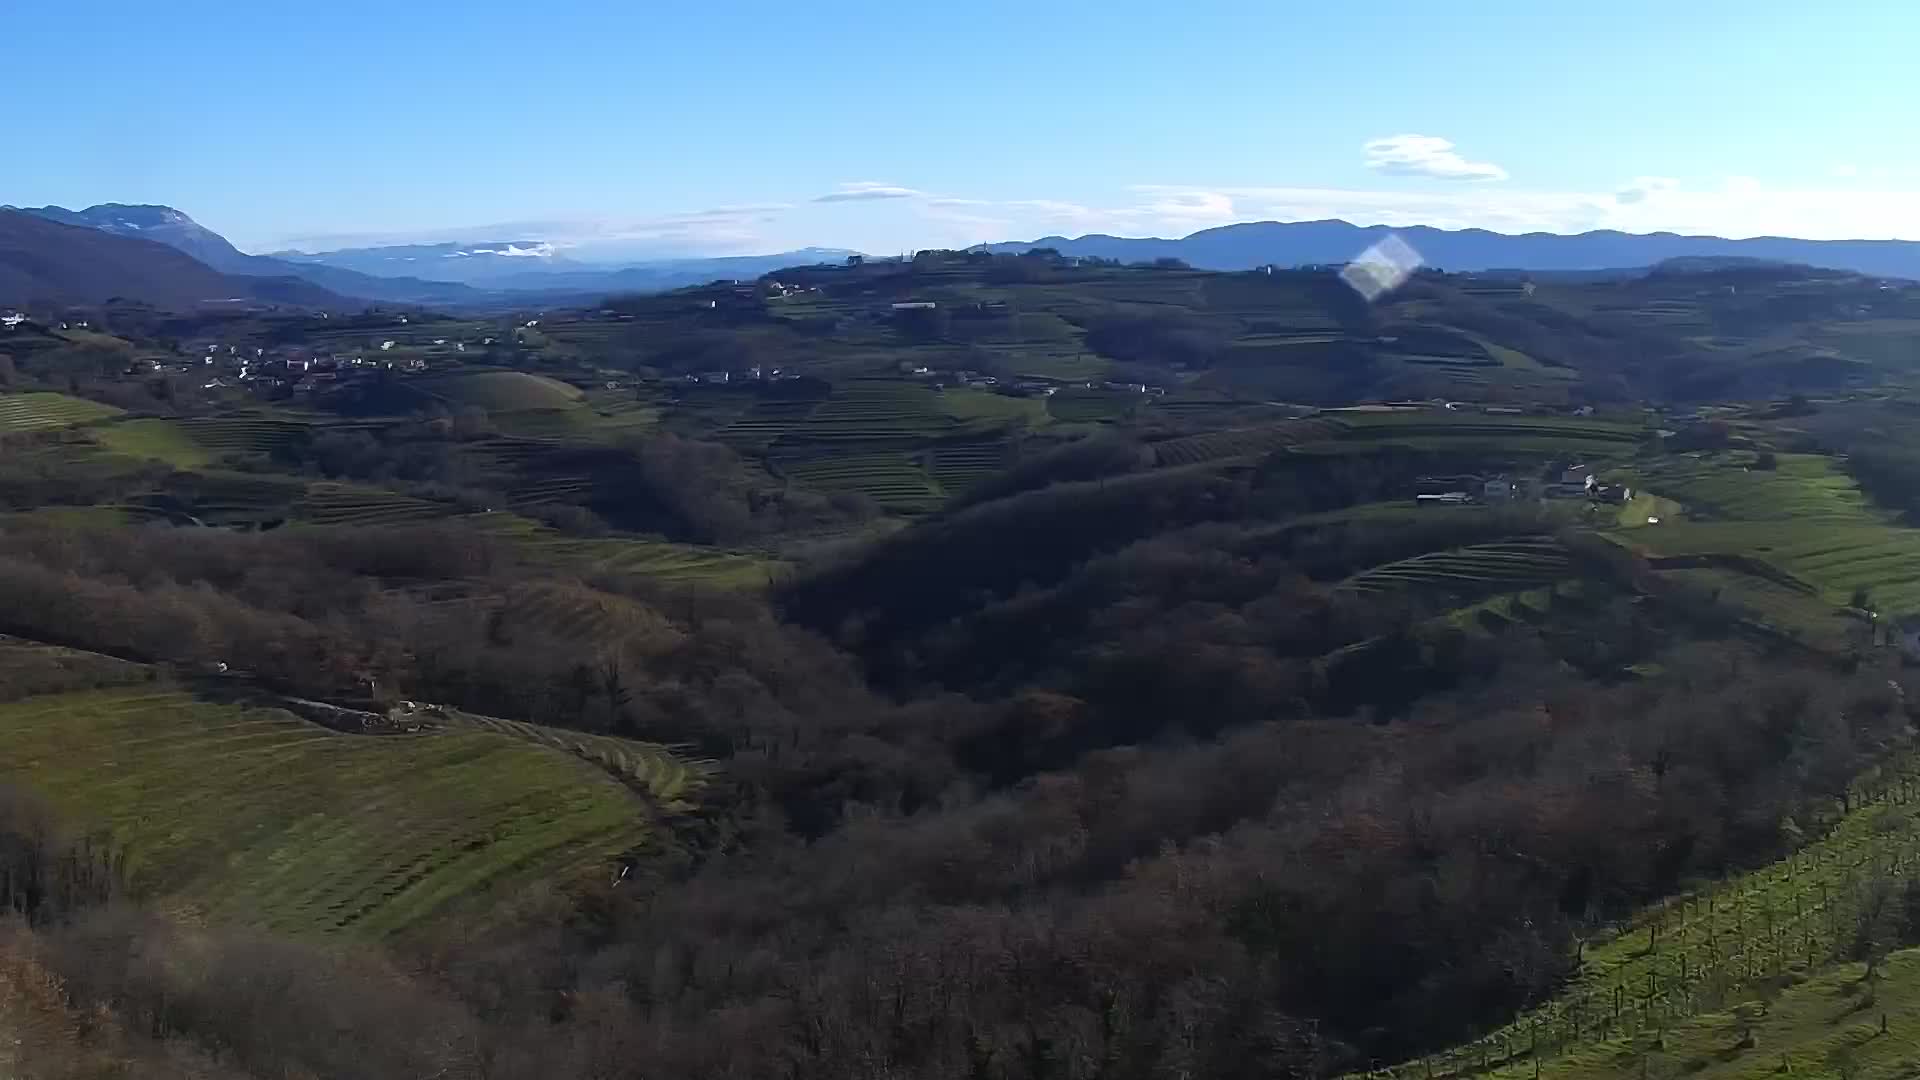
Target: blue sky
{"type": "Point", "coordinates": [749, 127]}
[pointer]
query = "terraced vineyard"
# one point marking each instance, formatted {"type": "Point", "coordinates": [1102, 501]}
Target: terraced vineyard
{"type": "Point", "coordinates": [1505, 565]}
{"type": "Point", "coordinates": [41, 412]}
{"type": "Point", "coordinates": [875, 410]}
{"type": "Point", "coordinates": [1543, 435]}
{"type": "Point", "coordinates": [345, 504]}
{"type": "Point", "coordinates": [890, 478]}
{"type": "Point", "coordinates": [959, 466]}
{"type": "Point", "coordinates": [252, 815]}
{"type": "Point", "coordinates": [551, 490]}
{"type": "Point", "coordinates": [767, 421]}
{"type": "Point", "coordinates": [685, 564]}
{"type": "Point", "coordinates": [1242, 442]}
{"type": "Point", "coordinates": [581, 613]}
{"type": "Point", "coordinates": [196, 442]}
{"type": "Point", "coordinates": [223, 498]}
{"type": "Point", "coordinates": [1705, 951]}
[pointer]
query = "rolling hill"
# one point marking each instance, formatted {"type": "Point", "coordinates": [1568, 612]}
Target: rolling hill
{"type": "Point", "coordinates": [49, 262]}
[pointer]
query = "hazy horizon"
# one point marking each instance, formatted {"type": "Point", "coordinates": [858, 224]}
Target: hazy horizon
{"type": "Point", "coordinates": [664, 133]}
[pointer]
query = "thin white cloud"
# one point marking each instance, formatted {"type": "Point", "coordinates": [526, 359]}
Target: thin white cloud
{"type": "Point", "coordinates": [1864, 207]}
{"type": "Point", "coordinates": [1844, 171]}
{"type": "Point", "coordinates": [1426, 155]}
{"type": "Point", "coordinates": [1645, 187]}
{"type": "Point", "coordinates": [868, 190]}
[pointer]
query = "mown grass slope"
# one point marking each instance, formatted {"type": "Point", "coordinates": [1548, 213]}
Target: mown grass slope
{"type": "Point", "coordinates": [504, 391]}
{"type": "Point", "coordinates": [1804, 517]}
{"type": "Point", "coordinates": [253, 815]}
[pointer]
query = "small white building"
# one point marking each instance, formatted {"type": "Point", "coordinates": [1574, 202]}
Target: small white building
{"type": "Point", "coordinates": [915, 305]}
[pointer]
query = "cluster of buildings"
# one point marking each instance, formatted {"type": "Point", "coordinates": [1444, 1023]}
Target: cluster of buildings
{"type": "Point", "coordinates": [1561, 482]}
{"type": "Point", "coordinates": [756, 373]}
{"type": "Point", "coordinates": [297, 370]}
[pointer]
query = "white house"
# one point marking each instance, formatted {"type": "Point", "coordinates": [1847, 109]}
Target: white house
{"type": "Point", "coordinates": [12, 319]}
{"type": "Point", "coordinates": [915, 305]}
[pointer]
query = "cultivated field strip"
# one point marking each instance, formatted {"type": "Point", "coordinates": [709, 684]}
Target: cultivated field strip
{"type": "Point", "coordinates": [680, 564]}
{"type": "Point", "coordinates": [41, 412]}
{"type": "Point", "coordinates": [669, 780]}
{"type": "Point", "coordinates": [252, 814]}
{"type": "Point", "coordinates": [1242, 442]}
{"type": "Point", "coordinates": [344, 504]}
{"type": "Point", "coordinates": [1505, 564]}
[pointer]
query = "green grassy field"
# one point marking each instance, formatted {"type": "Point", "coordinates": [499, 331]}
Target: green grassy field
{"type": "Point", "coordinates": [1824, 1025]}
{"type": "Point", "coordinates": [253, 815]}
{"type": "Point", "coordinates": [503, 391]}
{"type": "Point", "coordinates": [161, 440]}
{"type": "Point", "coordinates": [42, 411]}
{"type": "Point", "coordinates": [1084, 406]}
{"type": "Point", "coordinates": [1805, 517]}
{"type": "Point", "coordinates": [667, 780]}
{"type": "Point", "coordinates": [967, 404]}
{"type": "Point", "coordinates": [197, 442]}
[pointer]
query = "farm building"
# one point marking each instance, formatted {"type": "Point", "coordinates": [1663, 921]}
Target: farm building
{"type": "Point", "coordinates": [915, 305]}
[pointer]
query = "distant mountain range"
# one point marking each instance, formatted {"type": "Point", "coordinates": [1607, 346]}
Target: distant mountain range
{"type": "Point", "coordinates": [164, 224]}
{"type": "Point", "coordinates": [47, 261]}
{"type": "Point", "coordinates": [474, 275]}
{"type": "Point", "coordinates": [531, 265]}
{"type": "Point", "coordinates": [1254, 244]}
{"type": "Point", "coordinates": [194, 264]}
